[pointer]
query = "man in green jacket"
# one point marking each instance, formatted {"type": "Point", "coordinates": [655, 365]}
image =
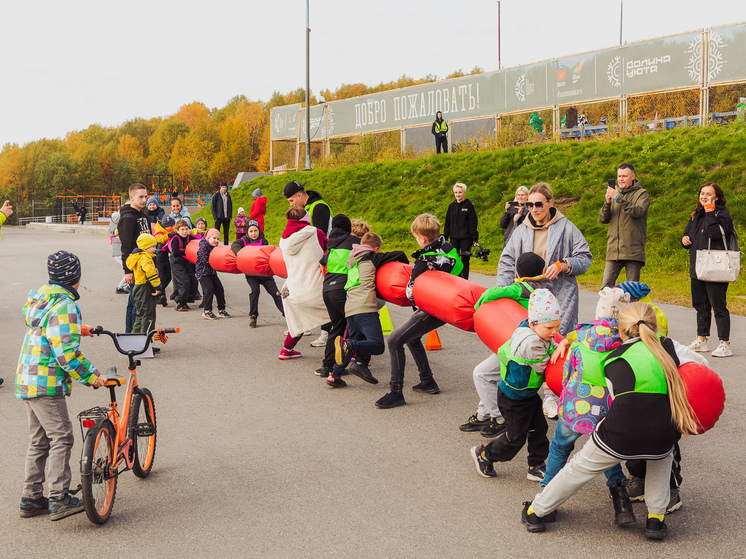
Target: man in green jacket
{"type": "Point", "coordinates": [626, 212]}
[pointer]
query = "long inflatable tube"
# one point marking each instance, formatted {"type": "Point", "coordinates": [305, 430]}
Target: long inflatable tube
{"type": "Point", "coordinates": [452, 299]}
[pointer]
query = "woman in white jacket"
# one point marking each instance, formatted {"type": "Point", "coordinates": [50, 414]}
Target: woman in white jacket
{"type": "Point", "coordinates": [302, 247]}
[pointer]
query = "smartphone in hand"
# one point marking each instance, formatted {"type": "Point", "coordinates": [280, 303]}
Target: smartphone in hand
{"type": "Point", "coordinates": [612, 183]}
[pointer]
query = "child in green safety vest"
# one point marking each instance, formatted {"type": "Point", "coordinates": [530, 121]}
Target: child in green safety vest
{"type": "Point", "coordinates": [487, 419]}
{"type": "Point", "coordinates": [523, 360]}
{"type": "Point", "coordinates": [435, 254]}
{"type": "Point", "coordinates": [648, 410]}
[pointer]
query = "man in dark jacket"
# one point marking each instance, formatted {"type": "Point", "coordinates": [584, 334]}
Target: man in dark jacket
{"type": "Point", "coordinates": [461, 225]}
{"type": "Point", "coordinates": [440, 131]}
{"type": "Point", "coordinates": [222, 211]}
{"type": "Point", "coordinates": [626, 212]}
{"type": "Point", "coordinates": [132, 222]}
{"type": "Point", "coordinates": [317, 208]}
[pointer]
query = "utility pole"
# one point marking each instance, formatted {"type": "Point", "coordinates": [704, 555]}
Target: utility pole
{"type": "Point", "coordinates": [621, 20]}
{"type": "Point", "coordinates": [498, 35]}
{"type": "Point", "coordinates": [308, 89]}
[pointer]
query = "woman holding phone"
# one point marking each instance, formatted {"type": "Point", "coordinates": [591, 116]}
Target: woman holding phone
{"type": "Point", "coordinates": [515, 213]}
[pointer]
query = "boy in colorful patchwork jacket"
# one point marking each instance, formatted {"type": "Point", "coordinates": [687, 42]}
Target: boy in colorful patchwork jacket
{"type": "Point", "coordinates": [142, 265]}
{"type": "Point", "coordinates": [50, 358]}
{"type": "Point", "coordinates": [487, 419]}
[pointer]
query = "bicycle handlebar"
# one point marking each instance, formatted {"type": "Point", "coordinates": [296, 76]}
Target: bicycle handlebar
{"type": "Point", "coordinates": [98, 330]}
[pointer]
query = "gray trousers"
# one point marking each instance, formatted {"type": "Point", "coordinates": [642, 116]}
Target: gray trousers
{"type": "Point", "coordinates": [486, 381]}
{"type": "Point", "coordinates": [50, 443]}
{"type": "Point", "coordinates": [590, 462]}
{"type": "Point", "coordinates": [632, 270]}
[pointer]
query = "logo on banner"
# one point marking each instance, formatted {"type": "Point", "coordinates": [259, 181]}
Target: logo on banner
{"type": "Point", "coordinates": [715, 62]}
{"type": "Point", "coordinates": [576, 72]}
{"type": "Point", "coordinates": [614, 71]}
{"type": "Point", "coordinates": [523, 87]}
{"type": "Point", "coordinates": [560, 73]}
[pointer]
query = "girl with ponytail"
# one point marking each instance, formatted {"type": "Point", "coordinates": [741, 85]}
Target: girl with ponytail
{"type": "Point", "coordinates": [648, 410]}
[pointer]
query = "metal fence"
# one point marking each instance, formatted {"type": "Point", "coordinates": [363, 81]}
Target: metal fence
{"type": "Point", "coordinates": [691, 79]}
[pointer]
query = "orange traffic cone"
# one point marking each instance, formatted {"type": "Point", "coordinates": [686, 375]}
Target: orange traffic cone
{"type": "Point", "coordinates": [433, 341]}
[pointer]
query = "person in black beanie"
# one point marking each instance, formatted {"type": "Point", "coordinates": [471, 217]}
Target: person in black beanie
{"type": "Point", "coordinates": [341, 241]}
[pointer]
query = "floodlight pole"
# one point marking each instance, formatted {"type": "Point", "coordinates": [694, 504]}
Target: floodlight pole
{"type": "Point", "coordinates": [498, 35]}
{"type": "Point", "coordinates": [621, 20]}
{"type": "Point", "coordinates": [308, 89]}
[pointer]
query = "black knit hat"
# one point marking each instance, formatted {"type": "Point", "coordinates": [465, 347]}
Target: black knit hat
{"type": "Point", "coordinates": [252, 223]}
{"type": "Point", "coordinates": [529, 265]}
{"type": "Point", "coordinates": [292, 187]}
{"type": "Point", "coordinates": [341, 221]}
{"type": "Point", "coordinates": [63, 268]}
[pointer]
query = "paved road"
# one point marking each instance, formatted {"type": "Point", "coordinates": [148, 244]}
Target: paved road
{"type": "Point", "coordinates": [257, 458]}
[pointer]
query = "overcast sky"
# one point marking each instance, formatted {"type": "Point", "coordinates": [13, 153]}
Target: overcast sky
{"type": "Point", "coordinates": [66, 65]}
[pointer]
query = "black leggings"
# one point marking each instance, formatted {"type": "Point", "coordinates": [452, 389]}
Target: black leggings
{"type": "Point", "coordinates": [211, 285]}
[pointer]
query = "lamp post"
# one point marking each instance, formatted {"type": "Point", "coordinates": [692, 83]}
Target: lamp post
{"type": "Point", "coordinates": [621, 20]}
{"type": "Point", "coordinates": [498, 35]}
{"type": "Point", "coordinates": [308, 90]}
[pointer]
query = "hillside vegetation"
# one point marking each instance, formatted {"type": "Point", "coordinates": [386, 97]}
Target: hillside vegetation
{"type": "Point", "coordinates": [671, 166]}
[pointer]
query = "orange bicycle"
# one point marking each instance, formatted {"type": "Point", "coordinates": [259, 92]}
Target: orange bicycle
{"type": "Point", "coordinates": [114, 441]}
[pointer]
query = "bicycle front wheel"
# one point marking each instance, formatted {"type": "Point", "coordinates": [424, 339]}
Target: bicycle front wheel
{"type": "Point", "coordinates": [100, 481]}
{"type": "Point", "coordinates": [142, 430]}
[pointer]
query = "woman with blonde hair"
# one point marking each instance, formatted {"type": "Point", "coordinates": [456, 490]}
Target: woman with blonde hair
{"type": "Point", "coordinates": [461, 226]}
{"type": "Point", "coordinates": [648, 409]}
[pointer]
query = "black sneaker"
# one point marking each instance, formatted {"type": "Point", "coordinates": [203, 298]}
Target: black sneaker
{"type": "Point", "coordinates": [623, 513]}
{"type": "Point", "coordinates": [362, 371]}
{"type": "Point", "coordinates": [34, 507]}
{"type": "Point", "coordinates": [182, 307]}
{"type": "Point", "coordinates": [656, 529]}
{"type": "Point", "coordinates": [493, 428]}
{"type": "Point", "coordinates": [173, 296]}
{"type": "Point", "coordinates": [1, 381]}
{"type": "Point", "coordinates": [484, 466]}
{"type": "Point", "coordinates": [224, 314]}
{"type": "Point", "coordinates": [474, 423]}
{"type": "Point", "coordinates": [323, 372]}
{"type": "Point", "coordinates": [121, 290]}
{"type": "Point", "coordinates": [332, 382]}
{"type": "Point", "coordinates": [209, 315]}
{"type": "Point", "coordinates": [391, 400]}
{"type": "Point", "coordinates": [536, 473]}
{"type": "Point", "coordinates": [67, 506]}
{"type": "Point", "coordinates": [532, 522]}
{"type": "Point", "coordinates": [164, 301]}
{"type": "Point", "coordinates": [252, 322]}
{"type": "Point", "coordinates": [429, 387]}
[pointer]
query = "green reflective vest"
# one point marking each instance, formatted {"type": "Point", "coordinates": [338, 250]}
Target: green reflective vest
{"type": "Point", "coordinates": [310, 209]}
{"type": "Point", "coordinates": [593, 365]}
{"type": "Point", "coordinates": [441, 126]}
{"type": "Point", "coordinates": [535, 380]}
{"type": "Point", "coordinates": [353, 276]}
{"type": "Point", "coordinates": [453, 253]}
{"type": "Point", "coordinates": [650, 378]}
{"type": "Point", "coordinates": [336, 262]}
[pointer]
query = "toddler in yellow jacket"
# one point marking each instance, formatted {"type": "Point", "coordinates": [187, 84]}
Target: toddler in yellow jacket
{"type": "Point", "coordinates": [142, 265]}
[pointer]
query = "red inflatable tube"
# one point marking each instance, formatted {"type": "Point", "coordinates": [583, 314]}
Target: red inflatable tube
{"type": "Point", "coordinates": [222, 259]}
{"type": "Point", "coordinates": [705, 392]}
{"type": "Point", "coordinates": [447, 297]}
{"type": "Point", "coordinates": [191, 251]}
{"type": "Point", "coordinates": [277, 264]}
{"type": "Point", "coordinates": [254, 260]}
{"type": "Point", "coordinates": [495, 322]}
{"type": "Point", "coordinates": [391, 283]}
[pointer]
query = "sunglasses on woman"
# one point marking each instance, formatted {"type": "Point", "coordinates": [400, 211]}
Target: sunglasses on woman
{"type": "Point", "coordinates": [539, 205]}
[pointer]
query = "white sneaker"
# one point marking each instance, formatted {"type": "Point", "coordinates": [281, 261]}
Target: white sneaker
{"type": "Point", "coordinates": [321, 340]}
{"type": "Point", "coordinates": [550, 406]}
{"type": "Point", "coordinates": [699, 345]}
{"type": "Point", "coordinates": [723, 350]}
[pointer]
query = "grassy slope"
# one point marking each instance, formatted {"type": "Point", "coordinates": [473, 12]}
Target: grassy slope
{"type": "Point", "coordinates": [671, 166]}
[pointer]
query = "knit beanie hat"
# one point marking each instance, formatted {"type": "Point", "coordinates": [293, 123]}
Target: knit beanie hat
{"type": "Point", "coordinates": [341, 221]}
{"type": "Point", "coordinates": [543, 307]}
{"type": "Point", "coordinates": [611, 302]}
{"type": "Point", "coordinates": [145, 241]}
{"type": "Point", "coordinates": [63, 268]}
{"type": "Point", "coordinates": [257, 193]}
{"type": "Point", "coordinates": [636, 289]}
{"type": "Point", "coordinates": [292, 187]}
{"type": "Point", "coordinates": [168, 221]}
{"type": "Point", "coordinates": [211, 233]}
{"type": "Point", "coordinates": [200, 219]}
{"type": "Point", "coordinates": [252, 223]}
{"type": "Point", "coordinates": [152, 200]}
{"type": "Point", "coordinates": [529, 265]}
{"type": "Point", "coordinates": [241, 210]}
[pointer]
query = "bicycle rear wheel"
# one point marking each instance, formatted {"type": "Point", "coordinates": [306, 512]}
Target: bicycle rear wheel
{"type": "Point", "coordinates": [142, 430]}
{"type": "Point", "coordinates": [99, 479]}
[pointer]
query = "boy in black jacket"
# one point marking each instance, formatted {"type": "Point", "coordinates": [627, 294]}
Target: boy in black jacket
{"type": "Point", "coordinates": [335, 258]}
{"type": "Point", "coordinates": [435, 254]}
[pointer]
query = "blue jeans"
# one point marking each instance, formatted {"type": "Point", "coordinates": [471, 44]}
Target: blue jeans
{"type": "Point", "coordinates": [563, 443]}
{"type": "Point", "coordinates": [366, 339]}
{"type": "Point", "coordinates": [131, 316]}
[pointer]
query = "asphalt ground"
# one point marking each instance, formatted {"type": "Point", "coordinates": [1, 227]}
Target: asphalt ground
{"type": "Point", "coordinates": [256, 457]}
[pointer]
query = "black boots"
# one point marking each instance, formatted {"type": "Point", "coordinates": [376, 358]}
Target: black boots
{"type": "Point", "coordinates": [623, 513]}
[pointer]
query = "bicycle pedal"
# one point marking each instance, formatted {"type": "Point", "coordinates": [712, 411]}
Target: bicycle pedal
{"type": "Point", "coordinates": [76, 490]}
{"type": "Point", "coordinates": [145, 430]}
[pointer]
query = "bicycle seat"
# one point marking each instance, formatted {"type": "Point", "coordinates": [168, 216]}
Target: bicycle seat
{"type": "Point", "coordinates": [112, 379]}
